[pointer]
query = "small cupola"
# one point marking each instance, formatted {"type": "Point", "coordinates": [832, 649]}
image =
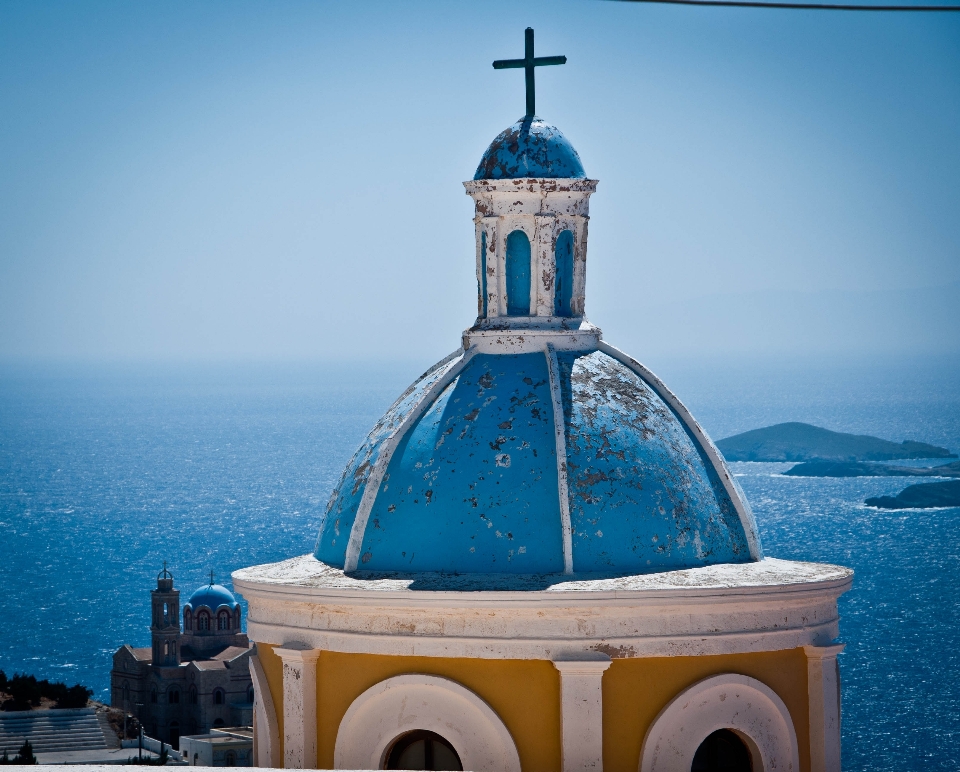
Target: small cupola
{"type": "Point", "coordinates": [532, 205]}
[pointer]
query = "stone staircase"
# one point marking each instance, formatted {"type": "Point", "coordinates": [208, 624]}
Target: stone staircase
{"type": "Point", "coordinates": [51, 730]}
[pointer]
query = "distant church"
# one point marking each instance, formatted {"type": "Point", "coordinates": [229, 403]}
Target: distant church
{"type": "Point", "coordinates": [189, 681]}
{"type": "Point", "coordinates": [537, 560]}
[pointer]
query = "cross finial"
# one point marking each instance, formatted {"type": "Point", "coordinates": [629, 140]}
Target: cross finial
{"type": "Point", "coordinates": [211, 577]}
{"type": "Point", "coordinates": [528, 62]}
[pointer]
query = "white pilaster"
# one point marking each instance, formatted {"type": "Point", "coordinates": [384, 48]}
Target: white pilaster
{"type": "Point", "coordinates": [823, 691]}
{"type": "Point", "coordinates": [299, 705]}
{"type": "Point", "coordinates": [266, 732]}
{"type": "Point", "coordinates": [581, 708]}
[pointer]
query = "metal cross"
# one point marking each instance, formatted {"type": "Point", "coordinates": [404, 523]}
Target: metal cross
{"type": "Point", "coordinates": [528, 62]}
{"type": "Point", "coordinates": [211, 578]}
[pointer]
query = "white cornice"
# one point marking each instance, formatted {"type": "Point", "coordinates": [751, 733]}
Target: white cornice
{"type": "Point", "coordinates": [760, 606]}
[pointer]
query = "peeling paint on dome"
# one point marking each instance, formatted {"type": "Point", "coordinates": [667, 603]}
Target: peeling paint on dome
{"type": "Point", "coordinates": [342, 507]}
{"type": "Point", "coordinates": [642, 496]}
{"type": "Point", "coordinates": [530, 148]}
{"type": "Point", "coordinates": [473, 484]}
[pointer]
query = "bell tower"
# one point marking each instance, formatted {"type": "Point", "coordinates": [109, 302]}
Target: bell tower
{"type": "Point", "coordinates": [165, 621]}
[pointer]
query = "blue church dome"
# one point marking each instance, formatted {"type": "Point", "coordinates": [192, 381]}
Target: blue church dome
{"type": "Point", "coordinates": [462, 475]}
{"type": "Point", "coordinates": [213, 596]}
{"type": "Point", "coordinates": [530, 148]}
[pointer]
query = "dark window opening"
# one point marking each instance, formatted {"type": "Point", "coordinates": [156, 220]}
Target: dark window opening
{"type": "Point", "coordinates": [193, 695]}
{"type": "Point", "coordinates": [218, 723]}
{"type": "Point", "coordinates": [563, 255]}
{"type": "Point", "coordinates": [722, 751]}
{"type": "Point", "coordinates": [218, 696]}
{"type": "Point", "coordinates": [518, 274]}
{"type": "Point", "coordinates": [230, 758]}
{"type": "Point", "coordinates": [223, 620]}
{"type": "Point", "coordinates": [482, 284]}
{"type": "Point", "coordinates": [153, 695]}
{"type": "Point", "coordinates": [203, 621]}
{"type": "Point", "coordinates": [175, 735]}
{"type": "Point", "coordinates": [173, 697]}
{"type": "Point", "coordinates": [423, 750]}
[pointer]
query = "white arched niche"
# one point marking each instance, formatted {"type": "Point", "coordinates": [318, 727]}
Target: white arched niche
{"type": "Point", "coordinates": [391, 708]}
{"type": "Point", "coordinates": [737, 702]}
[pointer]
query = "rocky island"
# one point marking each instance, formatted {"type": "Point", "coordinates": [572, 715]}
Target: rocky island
{"type": "Point", "coordinates": [922, 496]}
{"type": "Point", "coordinates": [796, 441]}
{"type": "Point", "coordinates": [869, 469]}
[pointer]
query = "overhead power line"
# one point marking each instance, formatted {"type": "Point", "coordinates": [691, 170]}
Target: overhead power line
{"type": "Point", "coordinates": [802, 6]}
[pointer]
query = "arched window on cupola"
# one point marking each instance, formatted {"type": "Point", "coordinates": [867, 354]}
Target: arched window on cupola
{"type": "Point", "coordinates": [223, 620]}
{"type": "Point", "coordinates": [482, 283]}
{"type": "Point", "coordinates": [563, 257]}
{"type": "Point", "coordinates": [518, 274]}
{"type": "Point", "coordinates": [203, 621]}
{"type": "Point", "coordinates": [236, 618]}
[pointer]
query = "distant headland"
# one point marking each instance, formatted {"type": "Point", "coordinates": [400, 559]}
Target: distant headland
{"type": "Point", "coordinates": [922, 496]}
{"type": "Point", "coordinates": [796, 441]}
{"type": "Point", "coordinates": [869, 469]}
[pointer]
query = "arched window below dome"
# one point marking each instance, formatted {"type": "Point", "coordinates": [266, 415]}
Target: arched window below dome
{"type": "Point", "coordinates": [223, 620]}
{"type": "Point", "coordinates": [218, 697]}
{"type": "Point", "coordinates": [423, 750]}
{"type": "Point", "coordinates": [173, 696]}
{"type": "Point", "coordinates": [722, 751]}
{"type": "Point", "coordinates": [236, 618]}
{"type": "Point", "coordinates": [518, 274]}
{"type": "Point", "coordinates": [203, 621]}
{"type": "Point", "coordinates": [563, 257]}
{"type": "Point", "coordinates": [482, 283]}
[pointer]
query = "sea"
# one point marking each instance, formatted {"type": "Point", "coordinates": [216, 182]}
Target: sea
{"type": "Point", "coordinates": [108, 470]}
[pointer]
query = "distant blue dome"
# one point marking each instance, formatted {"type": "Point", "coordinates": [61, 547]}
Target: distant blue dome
{"type": "Point", "coordinates": [213, 596]}
{"type": "Point", "coordinates": [472, 483]}
{"type": "Point", "coordinates": [530, 148]}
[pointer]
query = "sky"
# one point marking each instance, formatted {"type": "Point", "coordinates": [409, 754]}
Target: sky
{"type": "Point", "coordinates": [283, 181]}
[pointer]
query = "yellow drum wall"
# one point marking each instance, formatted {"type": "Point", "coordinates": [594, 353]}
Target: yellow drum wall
{"type": "Point", "coordinates": [636, 690]}
{"type": "Point", "coordinates": [526, 695]}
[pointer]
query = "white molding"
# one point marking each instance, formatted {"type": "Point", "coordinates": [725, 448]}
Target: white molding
{"type": "Point", "coordinates": [581, 712]}
{"type": "Point", "coordinates": [388, 446]}
{"type": "Point", "coordinates": [266, 729]}
{"type": "Point", "coordinates": [724, 609]}
{"type": "Point", "coordinates": [823, 694]}
{"type": "Point", "coordinates": [395, 706]}
{"type": "Point", "coordinates": [531, 334]}
{"type": "Point", "coordinates": [729, 701]}
{"type": "Point", "coordinates": [560, 435]}
{"type": "Point", "coordinates": [747, 519]}
{"type": "Point", "coordinates": [299, 705]}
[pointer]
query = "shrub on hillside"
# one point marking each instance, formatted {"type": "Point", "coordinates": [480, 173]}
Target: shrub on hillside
{"type": "Point", "coordinates": [26, 691]}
